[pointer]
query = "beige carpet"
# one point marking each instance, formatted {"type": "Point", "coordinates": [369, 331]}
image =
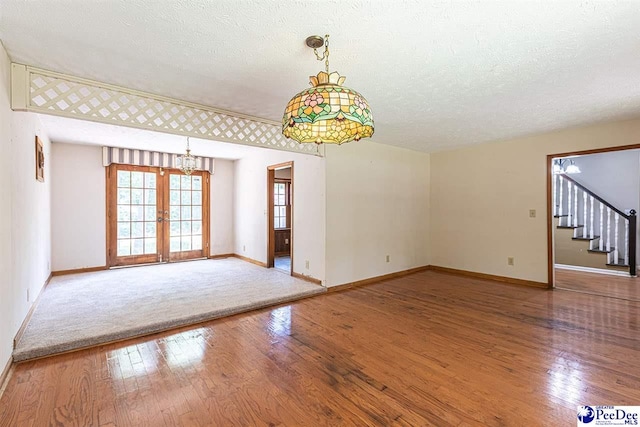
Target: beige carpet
{"type": "Point", "coordinates": [82, 310]}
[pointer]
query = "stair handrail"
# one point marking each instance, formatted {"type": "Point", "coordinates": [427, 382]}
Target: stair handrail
{"type": "Point", "coordinates": [631, 217]}
{"type": "Point", "coordinates": [595, 196]}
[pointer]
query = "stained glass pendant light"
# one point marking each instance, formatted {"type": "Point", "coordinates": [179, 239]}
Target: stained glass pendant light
{"type": "Point", "coordinates": [187, 163]}
{"type": "Point", "coordinates": [327, 112]}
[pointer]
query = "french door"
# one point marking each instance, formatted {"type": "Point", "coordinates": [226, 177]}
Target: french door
{"type": "Point", "coordinates": [156, 215]}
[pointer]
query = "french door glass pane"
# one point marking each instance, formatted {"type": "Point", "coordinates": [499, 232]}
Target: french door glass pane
{"type": "Point", "coordinates": [136, 197]}
{"type": "Point", "coordinates": [136, 213]}
{"type": "Point", "coordinates": [196, 243]}
{"type": "Point", "coordinates": [150, 180]}
{"type": "Point", "coordinates": [124, 247]}
{"type": "Point", "coordinates": [137, 229]}
{"type": "Point", "coordinates": [149, 213]}
{"type": "Point", "coordinates": [186, 182]}
{"type": "Point", "coordinates": [185, 200]}
{"type": "Point", "coordinates": [174, 182]}
{"type": "Point", "coordinates": [186, 243]}
{"type": "Point", "coordinates": [137, 179]}
{"type": "Point", "coordinates": [196, 197]}
{"type": "Point", "coordinates": [149, 246]}
{"type": "Point", "coordinates": [124, 212]}
{"type": "Point", "coordinates": [137, 247]}
{"type": "Point", "coordinates": [174, 244]}
{"type": "Point", "coordinates": [175, 212]}
{"type": "Point", "coordinates": [196, 212]}
{"type": "Point", "coordinates": [185, 212]}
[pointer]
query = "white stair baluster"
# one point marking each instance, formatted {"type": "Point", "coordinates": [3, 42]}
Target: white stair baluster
{"type": "Point", "coordinates": [591, 233]}
{"type": "Point", "coordinates": [608, 229]}
{"type": "Point", "coordinates": [601, 239]}
{"type": "Point", "coordinates": [561, 182]}
{"type": "Point", "coordinates": [616, 216]}
{"type": "Point", "coordinates": [555, 195]}
{"type": "Point", "coordinates": [575, 206]}
{"type": "Point", "coordinates": [626, 242]}
{"type": "Point", "coordinates": [569, 218]}
{"type": "Point", "coordinates": [584, 215]}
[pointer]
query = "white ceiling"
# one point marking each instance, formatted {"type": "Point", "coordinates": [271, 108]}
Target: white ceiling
{"type": "Point", "coordinates": [437, 74]}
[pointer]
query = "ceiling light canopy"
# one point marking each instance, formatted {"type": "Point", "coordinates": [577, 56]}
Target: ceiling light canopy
{"type": "Point", "coordinates": [327, 112]}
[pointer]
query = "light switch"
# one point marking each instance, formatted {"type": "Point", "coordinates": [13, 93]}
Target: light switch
{"type": "Point", "coordinates": [532, 213]}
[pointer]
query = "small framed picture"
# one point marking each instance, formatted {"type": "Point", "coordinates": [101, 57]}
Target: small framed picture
{"type": "Point", "coordinates": [39, 160]}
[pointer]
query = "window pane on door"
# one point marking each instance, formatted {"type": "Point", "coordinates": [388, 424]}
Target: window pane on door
{"type": "Point", "coordinates": [185, 207]}
{"type": "Point", "coordinates": [136, 213]}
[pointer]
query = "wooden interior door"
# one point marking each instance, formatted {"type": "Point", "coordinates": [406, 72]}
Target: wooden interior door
{"type": "Point", "coordinates": [156, 215]}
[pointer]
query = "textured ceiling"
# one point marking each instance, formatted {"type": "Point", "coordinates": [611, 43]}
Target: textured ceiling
{"type": "Point", "coordinates": [437, 74]}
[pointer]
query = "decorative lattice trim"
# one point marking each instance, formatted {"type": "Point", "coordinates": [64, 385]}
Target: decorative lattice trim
{"type": "Point", "coordinates": [58, 94]}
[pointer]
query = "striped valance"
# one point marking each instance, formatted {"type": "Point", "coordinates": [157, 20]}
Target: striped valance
{"type": "Point", "coordinates": [146, 158]}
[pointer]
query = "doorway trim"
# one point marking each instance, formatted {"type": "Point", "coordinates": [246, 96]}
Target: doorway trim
{"type": "Point", "coordinates": [271, 233]}
{"type": "Point", "coordinates": [550, 240]}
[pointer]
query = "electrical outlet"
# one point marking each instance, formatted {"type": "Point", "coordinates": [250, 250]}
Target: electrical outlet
{"type": "Point", "coordinates": [532, 213]}
{"type": "Point", "coordinates": [510, 260]}
{"type": "Point", "coordinates": [306, 264]}
{"type": "Point", "coordinates": [28, 296]}
{"type": "Point", "coordinates": [387, 258]}
{"type": "Point", "coordinates": [244, 248]}
{"type": "Point", "coordinates": [286, 241]}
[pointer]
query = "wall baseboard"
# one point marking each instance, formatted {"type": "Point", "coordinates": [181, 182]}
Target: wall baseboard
{"type": "Point", "coordinates": [79, 270]}
{"type": "Point", "coordinates": [4, 375]}
{"type": "Point", "coordinates": [376, 279]}
{"type": "Point", "coordinates": [592, 270]}
{"type": "Point", "coordinates": [251, 260]}
{"type": "Point", "coordinates": [502, 279]}
{"type": "Point", "coordinates": [262, 264]}
{"type": "Point", "coordinates": [27, 318]}
{"type": "Point", "coordinates": [307, 278]}
{"type": "Point", "coordinates": [220, 256]}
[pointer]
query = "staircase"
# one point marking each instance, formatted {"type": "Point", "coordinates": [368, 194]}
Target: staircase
{"type": "Point", "coordinates": [590, 232]}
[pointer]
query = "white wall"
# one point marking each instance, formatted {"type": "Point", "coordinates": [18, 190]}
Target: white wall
{"type": "Point", "coordinates": [221, 189]}
{"type": "Point", "coordinates": [481, 196]}
{"type": "Point", "coordinates": [250, 208]}
{"type": "Point", "coordinates": [614, 176]}
{"type": "Point", "coordinates": [78, 212]}
{"type": "Point", "coordinates": [25, 229]}
{"type": "Point", "coordinates": [377, 205]}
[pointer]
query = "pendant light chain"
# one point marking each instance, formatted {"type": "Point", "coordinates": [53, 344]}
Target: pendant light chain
{"type": "Point", "coordinates": [325, 55]}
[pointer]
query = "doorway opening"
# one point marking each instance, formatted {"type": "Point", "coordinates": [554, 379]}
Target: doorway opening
{"type": "Point", "coordinates": [280, 217]}
{"type": "Point", "coordinates": [593, 197]}
{"type": "Point", "coordinates": [156, 215]}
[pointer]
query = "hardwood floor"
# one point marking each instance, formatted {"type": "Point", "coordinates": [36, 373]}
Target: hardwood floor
{"type": "Point", "coordinates": [599, 284]}
{"type": "Point", "coordinates": [425, 349]}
